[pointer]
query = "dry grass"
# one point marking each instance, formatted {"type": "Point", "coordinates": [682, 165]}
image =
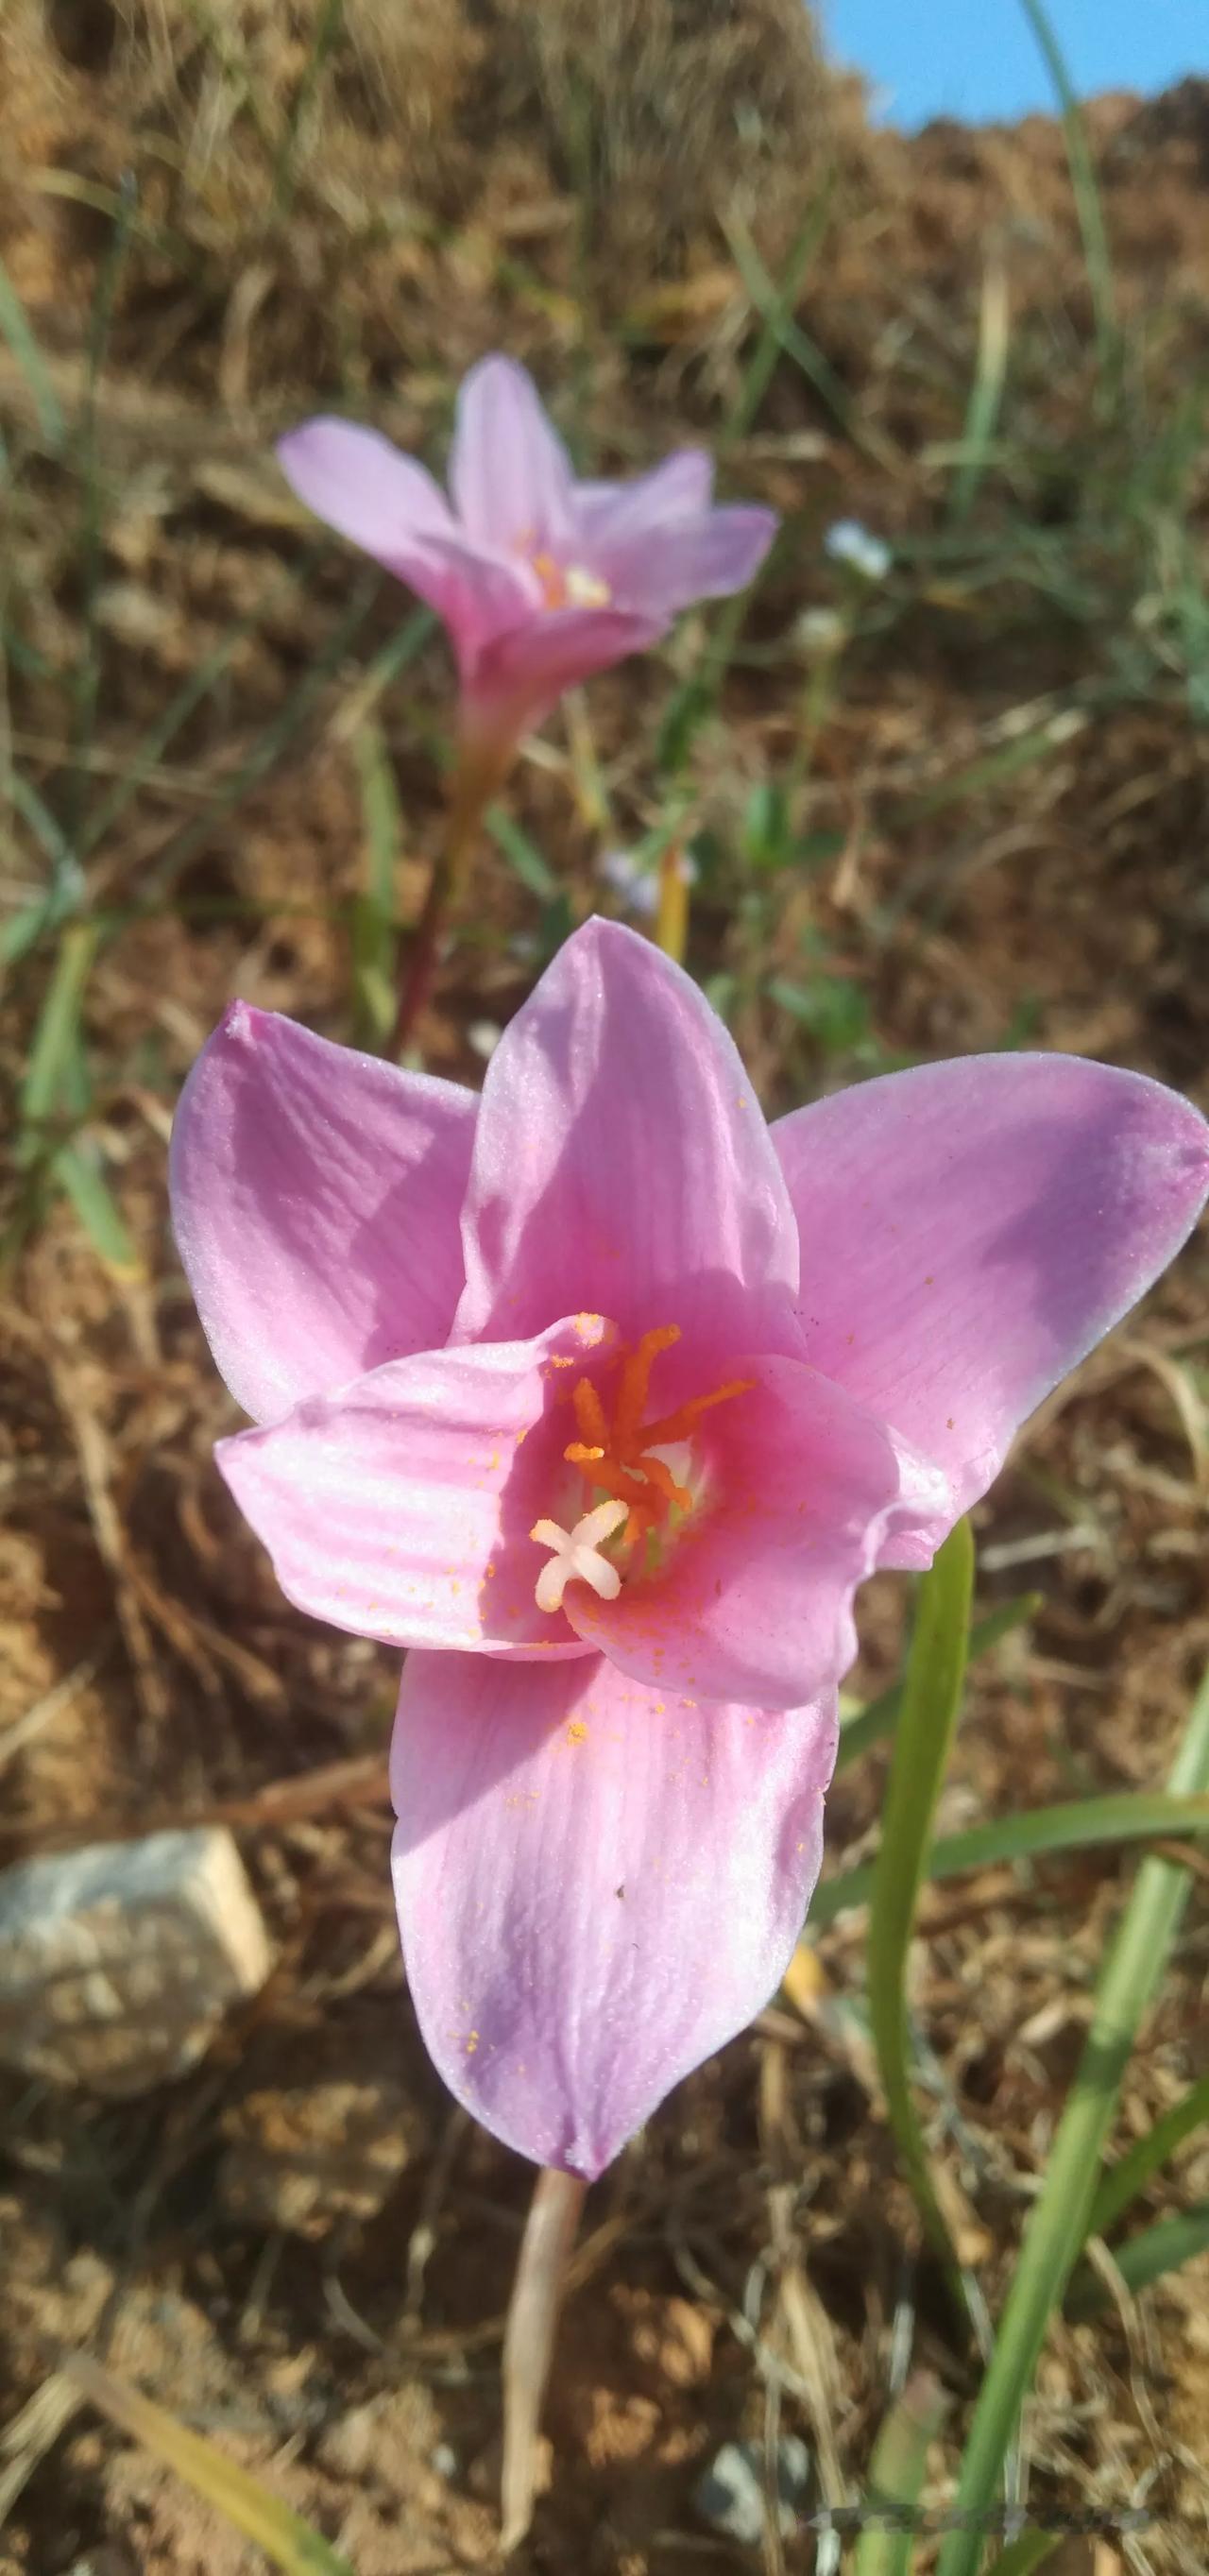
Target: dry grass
{"type": "Point", "coordinates": [356, 223]}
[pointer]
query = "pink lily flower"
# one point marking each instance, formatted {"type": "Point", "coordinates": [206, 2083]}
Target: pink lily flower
{"type": "Point", "coordinates": [602, 1397]}
{"type": "Point", "coordinates": [540, 580]}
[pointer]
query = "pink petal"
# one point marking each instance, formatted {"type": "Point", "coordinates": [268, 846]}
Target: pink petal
{"type": "Point", "coordinates": [755, 1602]}
{"type": "Point", "coordinates": [656, 571]}
{"type": "Point", "coordinates": [386, 503]}
{"type": "Point", "coordinates": [681, 487]}
{"type": "Point", "coordinates": [402, 1507]}
{"type": "Point", "coordinates": [357, 482]}
{"type": "Point", "coordinates": [597, 1886]}
{"type": "Point", "coordinates": [509, 473]}
{"type": "Point", "coordinates": [316, 1199]}
{"type": "Point", "coordinates": [623, 1165]}
{"type": "Point", "coordinates": [970, 1230]}
{"type": "Point", "coordinates": [520, 674]}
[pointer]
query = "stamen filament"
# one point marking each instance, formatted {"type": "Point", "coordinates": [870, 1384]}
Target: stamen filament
{"type": "Point", "coordinates": [678, 1425]}
{"type": "Point", "coordinates": [636, 1379]}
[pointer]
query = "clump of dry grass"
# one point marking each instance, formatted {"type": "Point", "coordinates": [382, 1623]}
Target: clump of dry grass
{"type": "Point", "coordinates": [316, 157]}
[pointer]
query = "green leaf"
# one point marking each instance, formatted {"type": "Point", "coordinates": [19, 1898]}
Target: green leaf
{"type": "Point", "coordinates": [15, 325]}
{"type": "Point", "coordinates": [1058, 2221]}
{"type": "Point", "coordinates": [867, 1725]}
{"type": "Point", "coordinates": [79, 1174]}
{"type": "Point", "coordinates": [832, 1007]}
{"type": "Point", "coordinates": [251, 2508]}
{"type": "Point", "coordinates": [52, 1055]}
{"type": "Point", "coordinates": [522, 854]}
{"type": "Point", "coordinates": [1127, 1816]}
{"type": "Point", "coordinates": [1132, 2171]}
{"type": "Point", "coordinates": [1096, 254]}
{"type": "Point", "coordinates": [1145, 2258]}
{"type": "Point", "coordinates": [931, 1700]}
{"type": "Point", "coordinates": [896, 2475]}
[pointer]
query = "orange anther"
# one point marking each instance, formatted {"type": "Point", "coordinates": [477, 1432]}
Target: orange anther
{"type": "Point", "coordinates": [589, 1413]}
{"type": "Point", "coordinates": [636, 1378]}
{"type": "Point", "coordinates": [618, 1460]}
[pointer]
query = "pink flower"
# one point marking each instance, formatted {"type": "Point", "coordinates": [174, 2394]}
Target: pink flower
{"type": "Point", "coordinates": [540, 580]}
{"type": "Point", "coordinates": [602, 1398]}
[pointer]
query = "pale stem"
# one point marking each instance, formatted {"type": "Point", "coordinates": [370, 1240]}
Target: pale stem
{"type": "Point", "coordinates": [529, 2338]}
{"type": "Point", "coordinates": [478, 775]}
{"type": "Point", "coordinates": [671, 919]}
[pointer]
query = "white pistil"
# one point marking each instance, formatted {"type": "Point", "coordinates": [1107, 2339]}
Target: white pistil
{"type": "Point", "coordinates": [585, 589]}
{"type": "Point", "coordinates": [577, 1555]}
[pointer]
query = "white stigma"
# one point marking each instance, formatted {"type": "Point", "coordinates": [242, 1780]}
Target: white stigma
{"type": "Point", "coordinates": [577, 1555]}
{"type": "Point", "coordinates": [585, 589]}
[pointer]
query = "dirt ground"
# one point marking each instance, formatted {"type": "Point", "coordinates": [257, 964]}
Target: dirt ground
{"type": "Point", "coordinates": [350, 236]}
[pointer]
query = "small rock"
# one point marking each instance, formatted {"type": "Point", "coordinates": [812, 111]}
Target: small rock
{"type": "Point", "coordinates": [731, 2495]}
{"type": "Point", "coordinates": [118, 1962]}
{"type": "Point", "coordinates": [302, 2158]}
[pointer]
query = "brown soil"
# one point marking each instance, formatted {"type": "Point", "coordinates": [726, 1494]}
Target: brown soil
{"type": "Point", "coordinates": [358, 233]}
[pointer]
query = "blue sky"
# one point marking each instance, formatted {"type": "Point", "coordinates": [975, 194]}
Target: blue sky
{"type": "Point", "coordinates": [978, 58]}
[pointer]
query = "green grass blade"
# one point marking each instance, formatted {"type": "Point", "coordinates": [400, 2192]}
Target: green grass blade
{"type": "Point", "coordinates": [86, 679]}
{"type": "Point", "coordinates": [52, 1053]}
{"type": "Point", "coordinates": [986, 392]}
{"type": "Point", "coordinates": [1132, 2171]}
{"type": "Point", "coordinates": [1144, 2259]}
{"type": "Point", "coordinates": [879, 1716]}
{"type": "Point", "coordinates": [1022, 2555]}
{"type": "Point", "coordinates": [15, 326]}
{"type": "Point", "coordinates": [1058, 2222]}
{"type": "Point", "coordinates": [270, 745]}
{"type": "Point", "coordinates": [251, 2508]}
{"type": "Point", "coordinates": [775, 304]}
{"type": "Point", "coordinates": [896, 2475]}
{"type": "Point", "coordinates": [79, 1175]}
{"type": "Point", "coordinates": [931, 1700]}
{"type": "Point", "coordinates": [23, 929]}
{"type": "Point", "coordinates": [1071, 1826]}
{"type": "Point", "coordinates": [328, 26]}
{"type": "Point", "coordinates": [522, 854]}
{"type": "Point", "coordinates": [1088, 205]}
{"type": "Point", "coordinates": [375, 1000]}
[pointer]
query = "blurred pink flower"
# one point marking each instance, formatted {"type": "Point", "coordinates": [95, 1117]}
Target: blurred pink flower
{"type": "Point", "coordinates": [602, 1398]}
{"type": "Point", "coordinates": [540, 580]}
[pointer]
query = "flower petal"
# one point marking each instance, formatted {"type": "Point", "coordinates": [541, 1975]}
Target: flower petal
{"type": "Point", "coordinates": [389, 505]}
{"type": "Point", "coordinates": [402, 1507]}
{"type": "Point", "coordinates": [568, 1845]}
{"type": "Point", "coordinates": [657, 571]}
{"type": "Point", "coordinates": [509, 473]}
{"type": "Point", "coordinates": [622, 1163]}
{"type": "Point", "coordinates": [681, 487]}
{"type": "Point", "coordinates": [519, 672]}
{"type": "Point", "coordinates": [316, 1199]}
{"type": "Point", "coordinates": [356, 481]}
{"type": "Point", "coordinates": [755, 1602]}
{"type": "Point", "coordinates": [970, 1230]}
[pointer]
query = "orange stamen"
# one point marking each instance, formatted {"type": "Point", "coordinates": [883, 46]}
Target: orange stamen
{"type": "Point", "coordinates": [659, 1474]}
{"type": "Point", "coordinates": [635, 1380]}
{"type": "Point", "coordinates": [678, 1425]}
{"type": "Point", "coordinates": [589, 1413]}
{"type": "Point", "coordinates": [617, 1459]}
{"type": "Point", "coordinates": [550, 574]}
